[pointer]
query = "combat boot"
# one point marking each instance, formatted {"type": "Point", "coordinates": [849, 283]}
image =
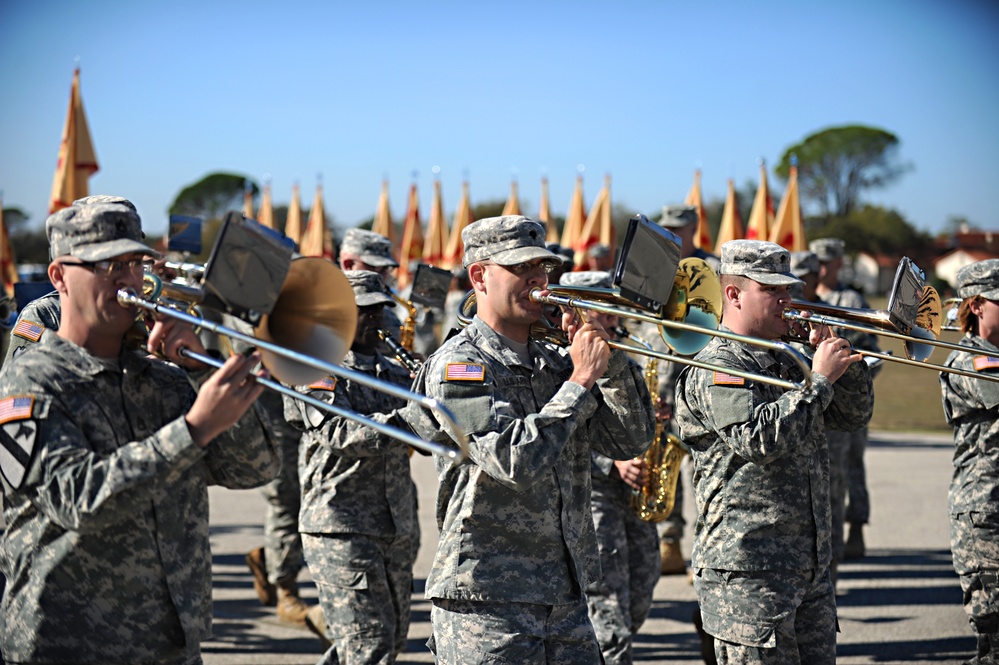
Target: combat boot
{"type": "Point", "coordinates": [672, 559]}
{"type": "Point", "coordinates": [854, 547]}
{"type": "Point", "coordinates": [316, 622]}
{"type": "Point", "coordinates": [266, 592]}
{"type": "Point", "coordinates": [290, 607]}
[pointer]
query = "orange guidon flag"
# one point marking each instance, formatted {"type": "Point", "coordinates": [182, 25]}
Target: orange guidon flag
{"type": "Point", "coordinates": [512, 206]}
{"type": "Point", "coordinates": [293, 225]}
{"type": "Point", "coordinates": [412, 238]}
{"type": "Point", "coordinates": [545, 214]}
{"type": "Point", "coordinates": [77, 159]}
{"type": "Point", "coordinates": [248, 200]}
{"type": "Point", "coordinates": [265, 215]}
{"type": "Point", "coordinates": [435, 244]}
{"type": "Point", "coordinates": [702, 238]}
{"type": "Point", "coordinates": [761, 217]}
{"type": "Point", "coordinates": [382, 224]}
{"type": "Point", "coordinates": [317, 240]}
{"type": "Point", "coordinates": [462, 217]}
{"type": "Point", "coordinates": [575, 218]}
{"type": "Point", "coordinates": [731, 222]}
{"type": "Point", "coordinates": [788, 230]}
{"type": "Point", "coordinates": [8, 264]}
{"type": "Point", "coordinates": [598, 227]}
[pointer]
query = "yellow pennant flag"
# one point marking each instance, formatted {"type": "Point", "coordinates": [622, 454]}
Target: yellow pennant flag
{"type": "Point", "coordinates": [435, 244]}
{"type": "Point", "coordinates": [545, 214]}
{"type": "Point", "coordinates": [317, 240]}
{"type": "Point", "coordinates": [731, 222]}
{"type": "Point", "coordinates": [77, 159]}
{"type": "Point", "coordinates": [598, 227]}
{"type": "Point", "coordinates": [382, 224]}
{"type": "Point", "coordinates": [761, 217]}
{"type": "Point", "coordinates": [8, 263]}
{"type": "Point", "coordinates": [293, 225]}
{"type": "Point", "coordinates": [265, 215]}
{"type": "Point", "coordinates": [462, 218]}
{"type": "Point", "coordinates": [248, 201]}
{"type": "Point", "coordinates": [512, 206]}
{"type": "Point", "coordinates": [575, 218]}
{"type": "Point", "coordinates": [702, 238]}
{"type": "Point", "coordinates": [412, 238]}
{"type": "Point", "coordinates": [788, 231]}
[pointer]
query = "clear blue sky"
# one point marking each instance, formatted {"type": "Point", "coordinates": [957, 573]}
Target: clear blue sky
{"type": "Point", "coordinates": [357, 91]}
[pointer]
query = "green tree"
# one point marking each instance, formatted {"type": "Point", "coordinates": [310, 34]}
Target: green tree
{"type": "Point", "coordinates": [213, 196]}
{"type": "Point", "coordinates": [836, 165]}
{"type": "Point", "coordinates": [875, 230]}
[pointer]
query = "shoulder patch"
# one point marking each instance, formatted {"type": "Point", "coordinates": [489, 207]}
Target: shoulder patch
{"type": "Point", "coordinates": [986, 362]}
{"type": "Point", "coordinates": [723, 379]}
{"type": "Point", "coordinates": [18, 407]}
{"type": "Point", "coordinates": [17, 443]}
{"type": "Point", "coordinates": [464, 372]}
{"type": "Point", "coordinates": [328, 383]}
{"type": "Point", "coordinates": [29, 330]}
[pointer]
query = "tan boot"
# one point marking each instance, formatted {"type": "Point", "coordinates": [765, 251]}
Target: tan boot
{"type": "Point", "coordinates": [854, 547]}
{"type": "Point", "coordinates": [266, 592]}
{"type": "Point", "coordinates": [290, 607]}
{"type": "Point", "coordinates": [672, 559]}
{"type": "Point", "coordinates": [316, 622]}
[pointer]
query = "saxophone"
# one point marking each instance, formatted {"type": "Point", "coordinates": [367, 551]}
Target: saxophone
{"type": "Point", "coordinates": [654, 501]}
{"type": "Point", "coordinates": [403, 349]}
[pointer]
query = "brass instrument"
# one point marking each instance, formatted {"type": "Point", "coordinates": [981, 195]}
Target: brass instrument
{"type": "Point", "coordinates": [654, 502]}
{"type": "Point", "coordinates": [610, 301]}
{"type": "Point", "coordinates": [407, 331]}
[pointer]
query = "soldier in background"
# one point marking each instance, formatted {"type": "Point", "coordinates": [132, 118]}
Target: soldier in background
{"type": "Point", "coordinates": [517, 547]}
{"type": "Point", "coordinates": [761, 470]}
{"type": "Point", "coordinates": [107, 550]}
{"type": "Point", "coordinates": [619, 602]}
{"type": "Point", "coordinates": [833, 292]}
{"type": "Point", "coordinates": [971, 407]}
{"type": "Point", "coordinates": [357, 496]}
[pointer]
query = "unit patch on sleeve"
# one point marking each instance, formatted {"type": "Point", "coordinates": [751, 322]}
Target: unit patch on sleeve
{"type": "Point", "coordinates": [17, 437]}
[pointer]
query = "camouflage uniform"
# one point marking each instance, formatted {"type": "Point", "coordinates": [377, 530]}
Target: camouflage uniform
{"type": "Point", "coordinates": [517, 545]}
{"type": "Point", "coordinates": [620, 601]}
{"type": "Point", "coordinates": [106, 551]}
{"type": "Point", "coordinates": [37, 316]}
{"type": "Point", "coordinates": [761, 479]}
{"type": "Point", "coordinates": [970, 406]}
{"type": "Point", "coordinates": [357, 516]}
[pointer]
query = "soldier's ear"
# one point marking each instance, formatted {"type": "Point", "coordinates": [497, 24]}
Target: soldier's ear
{"type": "Point", "coordinates": [56, 276]}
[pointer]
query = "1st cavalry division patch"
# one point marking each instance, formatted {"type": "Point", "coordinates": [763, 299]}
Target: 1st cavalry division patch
{"type": "Point", "coordinates": [17, 437]}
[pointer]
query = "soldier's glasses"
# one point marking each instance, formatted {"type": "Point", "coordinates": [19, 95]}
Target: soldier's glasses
{"type": "Point", "coordinates": [109, 268]}
{"type": "Point", "coordinates": [547, 265]}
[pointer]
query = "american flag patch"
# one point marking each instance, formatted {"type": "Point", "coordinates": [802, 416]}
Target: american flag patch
{"type": "Point", "coordinates": [986, 362]}
{"type": "Point", "coordinates": [464, 372]}
{"type": "Point", "coordinates": [16, 408]}
{"type": "Point", "coordinates": [328, 383]}
{"type": "Point", "coordinates": [29, 330]}
{"type": "Point", "coordinates": [723, 379]}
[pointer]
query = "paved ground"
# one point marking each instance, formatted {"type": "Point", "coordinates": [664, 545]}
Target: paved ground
{"type": "Point", "coordinates": [900, 604]}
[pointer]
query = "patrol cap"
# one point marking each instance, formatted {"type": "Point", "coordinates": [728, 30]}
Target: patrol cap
{"type": "Point", "coordinates": [979, 279]}
{"type": "Point", "coordinates": [372, 248]}
{"type": "Point", "coordinates": [804, 263]}
{"type": "Point", "coordinates": [369, 288]}
{"type": "Point", "coordinates": [600, 279]}
{"type": "Point", "coordinates": [827, 249]}
{"type": "Point", "coordinates": [505, 240]}
{"type": "Point", "coordinates": [105, 198]}
{"type": "Point", "coordinates": [95, 232]}
{"type": "Point", "coordinates": [761, 261]}
{"type": "Point", "coordinates": [676, 217]}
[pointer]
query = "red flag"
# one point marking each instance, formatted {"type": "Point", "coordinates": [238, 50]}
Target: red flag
{"type": "Point", "coordinates": [731, 222]}
{"type": "Point", "coordinates": [788, 231]}
{"type": "Point", "coordinates": [702, 238]}
{"type": "Point", "coordinates": [512, 206]}
{"type": "Point", "coordinates": [435, 245]}
{"type": "Point", "coordinates": [317, 240]}
{"type": "Point", "coordinates": [8, 264]}
{"type": "Point", "coordinates": [382, 224]}
{"type": "Point", "coordinates": [761, 218]}
{"type": "Point", "coordinates": [293, 225]}
{"type": "Point", "coordinates": [412, 237]}
{"type": "Point", "coordinates": [77, 159]}
{"type": "Point", "coordinates": [462, 218]}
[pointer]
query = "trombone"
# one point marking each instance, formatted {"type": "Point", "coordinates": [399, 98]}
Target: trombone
{"type": "Point", "coordinates": [328, 327]}
{"type": "Point", "coordinates": [919, 342]}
